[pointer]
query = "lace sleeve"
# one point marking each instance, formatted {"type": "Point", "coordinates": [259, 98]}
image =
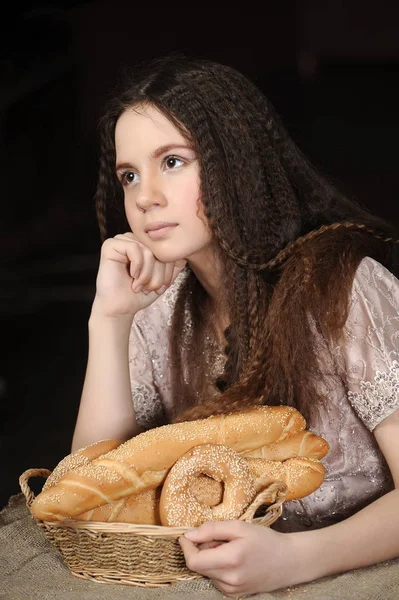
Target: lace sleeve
{"type": "Point", "coordinates": [371, 349]}
{"type": "Point", "coordinates": [147, 402]}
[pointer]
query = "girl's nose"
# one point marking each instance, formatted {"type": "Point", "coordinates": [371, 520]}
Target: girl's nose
{"type": "Point", "coordinates": [150, 194]}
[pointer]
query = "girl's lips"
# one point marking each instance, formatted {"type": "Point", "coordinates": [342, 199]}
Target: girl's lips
{"type": "Point", "coordinates": [160, 232]}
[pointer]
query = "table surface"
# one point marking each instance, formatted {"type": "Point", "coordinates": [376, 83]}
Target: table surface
{"type": "Point", "coordinates": [31, 568]}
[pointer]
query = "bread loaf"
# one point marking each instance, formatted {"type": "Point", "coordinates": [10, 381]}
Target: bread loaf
{"type": "Point", "coordinates": [79, 458]}
{"type": "Point", "coordinates": [302, 475]}
{"type": "Point", "coordinates": [304, 443]}
{"type": "Point", "coordinates": [140, 509]}
{"type": "Point", "coordinates": [143, 462]}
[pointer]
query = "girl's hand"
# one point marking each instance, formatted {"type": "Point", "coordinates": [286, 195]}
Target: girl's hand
{"type": "Point", "coordinates": [242, 558]}
{"type": "Point", "coordinates": [130, 278]}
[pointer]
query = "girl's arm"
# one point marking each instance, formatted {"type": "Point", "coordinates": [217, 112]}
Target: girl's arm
{"type": "Point", "coordinates": [369, 351]}
{"type": "Point", "coordinates": [129, 279]}
{"type": "Point", "coordinates": [106, 407]}
{"type": "Point", "coordinates": [369, 536]}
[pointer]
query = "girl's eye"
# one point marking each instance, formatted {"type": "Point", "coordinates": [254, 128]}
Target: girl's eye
{"type": "Point", "coordinates": [127, 178]}
{"type": "Point", "coordinates": [173, 161]}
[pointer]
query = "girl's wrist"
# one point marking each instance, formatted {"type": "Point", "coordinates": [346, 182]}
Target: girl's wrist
{"type": "Point", "coordinates": [100, 314]}
{"type": "Point", "coordinates": [303, 557]}
{"type": "Point", "coordinates": [118, 326]}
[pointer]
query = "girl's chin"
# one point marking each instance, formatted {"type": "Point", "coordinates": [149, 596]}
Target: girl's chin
{"type": "Point", "coordinates": [166, 257]}
{"type": "Point", "coordinates": [196, 255]}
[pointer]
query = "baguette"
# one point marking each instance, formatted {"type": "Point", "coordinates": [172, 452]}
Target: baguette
{"type": "Point", "coordinates": [305, 444]}
{"type": "Point", "coordinates": [83, 456]}
{"type": "Point", "coordinates": [140, 509]}
{"type": "Point", "coordinates": [143, 462]}
{"type": "Point", "coordinates": [301, 475]}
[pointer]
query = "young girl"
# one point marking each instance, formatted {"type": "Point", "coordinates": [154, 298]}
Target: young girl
{"type": "Point", "coordinates": [233, 274]}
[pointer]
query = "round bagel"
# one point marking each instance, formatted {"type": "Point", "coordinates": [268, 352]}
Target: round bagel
{"type": "Point", "coordinates": [179, 505]}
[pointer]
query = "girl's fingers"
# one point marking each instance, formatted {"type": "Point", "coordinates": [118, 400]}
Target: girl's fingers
{"type": "Point", "coordinates": [214, 560]}
{"type": "Point", "coordinates": [119, 250]}
{"type": "Point", "coordinates": [211, 562]}
{"type": "Point", "coordinates": [208, 545]}
{"type": "Point", "coordinates": [155, 275]}
{"type": "Point", "coordinates": [148, 273]}
{"type": "Point", "coordinates": [122, 236]}
{"type": "Point", "coordinates": [151, 276]}
{"type": "Point", "coordinates": [143, 276]}
{"type": "Point", "coordinates": [217, 531]}
{"type": "Point", "coordinates": [172, 271]}
{"type": "Point", "coordinates": [156, 282]}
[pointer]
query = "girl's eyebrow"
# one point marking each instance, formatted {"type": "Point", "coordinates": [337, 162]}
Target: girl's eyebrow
{"type": "Point", "coordinates": [162, 149]}
{"type": "Point", "coordinates": [156, 154]}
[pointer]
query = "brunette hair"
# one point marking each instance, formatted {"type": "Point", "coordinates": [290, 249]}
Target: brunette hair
{"type": "Point", "coordinates": [288, 241]}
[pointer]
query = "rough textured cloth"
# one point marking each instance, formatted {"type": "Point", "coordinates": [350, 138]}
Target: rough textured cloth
{"type": "Point", "coordinates": [31, 569]}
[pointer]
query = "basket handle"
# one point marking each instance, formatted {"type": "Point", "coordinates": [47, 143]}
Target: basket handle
{"type": "Point", "coordinates": [275, 493]}
{"type": "Point", "coordinates": [23, 482]}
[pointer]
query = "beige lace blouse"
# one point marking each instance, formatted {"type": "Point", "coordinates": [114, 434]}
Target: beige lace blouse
{"type": "Point", "coordinates": [363, 390]}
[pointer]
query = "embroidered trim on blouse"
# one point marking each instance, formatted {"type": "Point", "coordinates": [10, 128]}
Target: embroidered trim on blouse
{"type": "Point", "coordinates": [377, 400]}
{"type": "Point", "coordinates": [148, 407]}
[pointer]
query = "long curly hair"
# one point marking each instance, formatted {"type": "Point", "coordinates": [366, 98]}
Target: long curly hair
{"type": "Point", "coordinates": [288, 242]}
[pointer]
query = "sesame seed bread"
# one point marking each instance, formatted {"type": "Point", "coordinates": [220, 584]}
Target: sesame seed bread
{"type": "Point", "coordinates": [142, 463]}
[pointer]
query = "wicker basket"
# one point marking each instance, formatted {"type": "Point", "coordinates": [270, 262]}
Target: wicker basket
{"type": "Point", "coordinates": [143, 555]}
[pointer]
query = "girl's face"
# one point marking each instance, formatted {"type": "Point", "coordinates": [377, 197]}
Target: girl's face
{"type": "Point", "coordinates": [160, 177]}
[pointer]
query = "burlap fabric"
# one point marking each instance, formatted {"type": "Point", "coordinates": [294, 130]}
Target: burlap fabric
{"type": "Point", "coordinates": [30, 569]}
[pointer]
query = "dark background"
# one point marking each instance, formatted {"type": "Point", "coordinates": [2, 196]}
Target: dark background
{"type": "Point", "coordinates": [330, 68]}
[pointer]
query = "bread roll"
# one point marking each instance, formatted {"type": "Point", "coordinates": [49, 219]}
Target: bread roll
{"type": "Point", "coordinates": [81, 457]}
{"type": "Point", "coordinates": [305, 443]}
{"type": "Point", "coordinates": [179, 506]}
{"type": "Point", "coordinates": [141, 509]}
{"type": "Point", "coordinates": [143, 462]}
{"type": "Point", "coordinates": [302, 475]}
